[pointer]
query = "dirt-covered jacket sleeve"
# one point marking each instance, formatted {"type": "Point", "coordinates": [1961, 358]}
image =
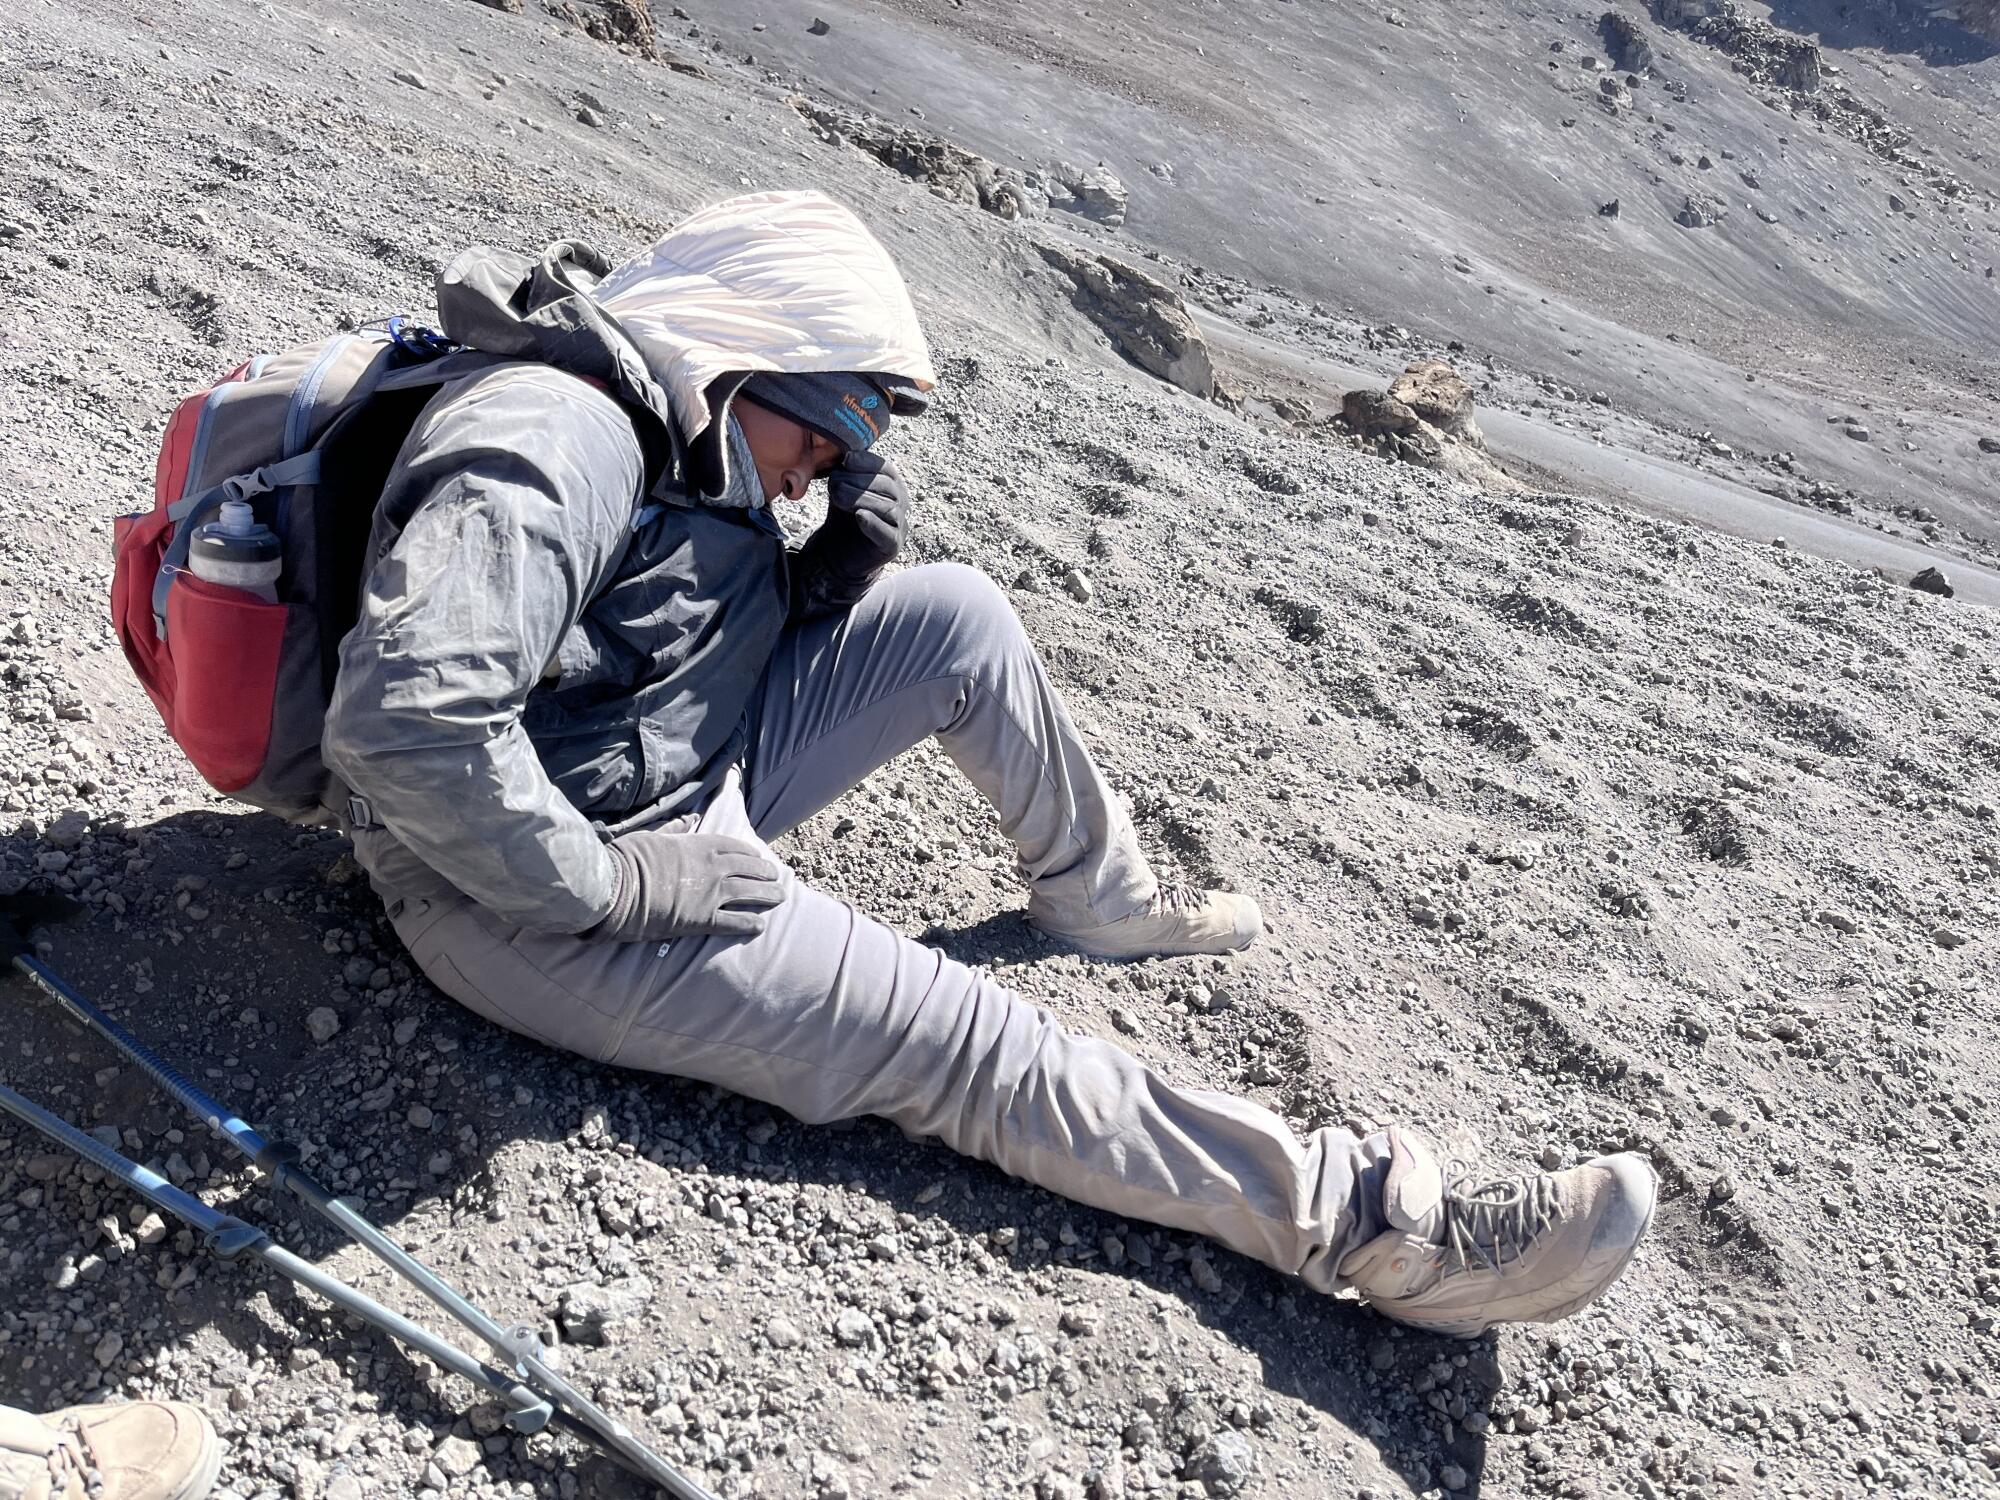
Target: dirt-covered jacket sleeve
{"type": "Point", "coordinates": [507, 509]}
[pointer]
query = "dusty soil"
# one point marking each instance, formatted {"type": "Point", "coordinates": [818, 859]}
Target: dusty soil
{"type": "Point", "coordinates": [1577, 828]}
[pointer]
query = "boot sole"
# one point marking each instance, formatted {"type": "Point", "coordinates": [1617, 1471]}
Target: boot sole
{"type": "Point", "coordinates": [1106, 951]}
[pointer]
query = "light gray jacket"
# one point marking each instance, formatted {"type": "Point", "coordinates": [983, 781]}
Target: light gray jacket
{"type": "Point", "coordinates": [570, 605]}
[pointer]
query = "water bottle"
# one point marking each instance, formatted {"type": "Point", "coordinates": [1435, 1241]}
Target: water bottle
{"type": "Point", "coordinates": [238, 551]}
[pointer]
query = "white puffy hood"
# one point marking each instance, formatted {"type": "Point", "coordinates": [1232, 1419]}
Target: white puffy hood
{"type": "Point", "coordinates": [789, 281]}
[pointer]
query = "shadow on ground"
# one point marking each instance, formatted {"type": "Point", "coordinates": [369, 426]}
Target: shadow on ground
{"type": "Point", "coordinates": [1939, 41]}
{"type": "Point", "coordinates": [235, 928]}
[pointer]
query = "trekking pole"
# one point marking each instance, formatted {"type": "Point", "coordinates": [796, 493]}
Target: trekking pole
{"type": "Point", "coordinates": [518, 1346]}
{"type": "Point", "coordinates": [226, 1238]}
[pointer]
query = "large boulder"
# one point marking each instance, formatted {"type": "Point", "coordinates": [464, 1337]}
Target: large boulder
{"type": "Point", "coordinates": [1425, 418]}
{"type": "Point", "coordinates": [1440, 396]}
{"type": "Point", "coordinates": [623, 23]}
{"type": "Point", "coordinates": [1625, 42]}
{"type": "Point", "coordinates": [1702, 211]}
{"type": "Point", "coordinates": [1093, 192]}
{"type": "Point", "coordinates": [1142, 317]}
{"type": "Point", "coordinates": [948, 170]}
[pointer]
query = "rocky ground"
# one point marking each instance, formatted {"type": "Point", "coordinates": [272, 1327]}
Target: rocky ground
{"type": "Point", "coordinates": [1576, 829]}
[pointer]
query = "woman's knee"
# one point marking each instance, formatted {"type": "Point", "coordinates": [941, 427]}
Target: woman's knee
{"type": "Point", "coordinates": [970, 606]}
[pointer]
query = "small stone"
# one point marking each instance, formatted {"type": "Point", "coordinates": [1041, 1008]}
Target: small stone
{"type": "Point", "coordinates": [1224, 1463]}
{"type": "Point", "coordinates": [1949, 937]}
{"type": "Point", "coordinates": [1452, 1477]}
{"type": "Point", "coordinates": [406, 1031]}
{"type": "Point", "coordinates": [420, 1117]}
{"type": "Point", "coordinates": [456, 1456]}
{"type": "Point", "coordinates": [67, 831]}
{"type": "Point", "coordinates": [588, 1309]}
{"type": "Point", "coordinates": [1840, 921]}
{"type": "Point", "coordinates": [783, 1333]}
{"type": "Point", "coordinates": [323, 1024]}
{"type": "Point", "coordinates": [108, 1349]}
{"type": "Point", "coordinates": [1077, 586]}
{"type": "Point", "coordinates": [818, 27]}
{"type": "Point", "coordinates": [590, 117]}
{"type": "Point", "coordinates": [852, 1328]}
{"type": "Point", "coordinates": [414, 79]}
{"type": "Point", "coordinates": [1857, 432]}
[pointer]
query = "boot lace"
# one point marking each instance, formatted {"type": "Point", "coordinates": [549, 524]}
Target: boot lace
{"type": "Point", "coordinates": [1176, 898]}
{"type": "Point", "coordinates": [1488, 1223]}
{"type": "Point", "coordinates": [73, 1459]}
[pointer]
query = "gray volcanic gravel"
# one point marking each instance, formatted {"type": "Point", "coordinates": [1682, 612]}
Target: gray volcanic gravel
{"type": "Point", "coordinates": [1576, 830]}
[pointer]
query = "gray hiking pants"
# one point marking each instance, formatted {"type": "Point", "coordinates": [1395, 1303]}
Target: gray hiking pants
{"type": "Point", "coordinates": [827, 1014]}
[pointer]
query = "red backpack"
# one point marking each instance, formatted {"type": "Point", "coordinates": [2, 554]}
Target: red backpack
{"type": "Point", "coordinates": [307, 438]}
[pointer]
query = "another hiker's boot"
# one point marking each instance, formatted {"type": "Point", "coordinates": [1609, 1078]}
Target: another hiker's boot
{"type": "Point", "coordinates": [1179, 920]}
{"type": "Point", "coordinates": [1462, 1253]}
{"type": "Point", "coordinates": [126, 1450]}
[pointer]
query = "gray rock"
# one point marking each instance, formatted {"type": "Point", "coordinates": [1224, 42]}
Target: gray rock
{"type": "Point", "coordinates": [1144, 319]}
{"type": "Point", "coordinates": [1933, 581]}
{"type": "Point", "coordinates": [1439, 395]}
{"type": "Point", "coordinates": [588, 1308]}
{"type": "Point", "coordinates": [456, 1456]}
{"type": "Point", "coordinates": [1078, 587]}
{"type": "Point", "coordinates": [323, 1024]}
{"type": "Point", "coordinates": [1625, 43]}
{"type": "Point", "coordinates": [1701, 211]}
{"type": "Point", "coordinates": [67, 831]}
{"type": "Point", "coordinates": [783, 1333]}
{"type": "Point", "coordinates": [1224, 1463]}
{"type": "Point", "coordinates": [852, 1329]}
{"type": "Point", "coordinates": [1093, 192]}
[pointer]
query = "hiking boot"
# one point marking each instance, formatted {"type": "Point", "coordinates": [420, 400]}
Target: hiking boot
{"type": "Point", "coordinates": [1463, 1253]}
{"type": "Point", "coordinates": [1178, 920]}
{"type": "Point", "coordinates": [125, 1450]}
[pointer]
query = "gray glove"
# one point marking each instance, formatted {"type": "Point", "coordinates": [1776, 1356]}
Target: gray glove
{"type": "Point", "coordinates": [676, 884]}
